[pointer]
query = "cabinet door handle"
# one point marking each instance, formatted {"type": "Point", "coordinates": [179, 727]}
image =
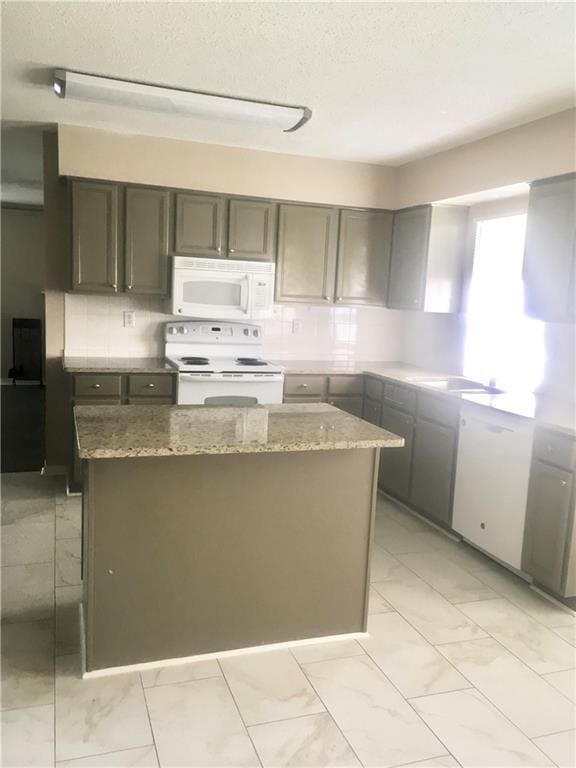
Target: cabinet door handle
{"type": "Point", "coordinates": [231, 250]}
{"type": "Point", "coordinates": [150, 386]}
{"type": "Point", "coordinates": [303, 386]}
{"type": "Point", "coordinates": [219, 249]}
{"type": "Point", "coordinates": [96, 386]}
{"type": "Point", "coordinates": [563, 482]}
{"type": "Point", "coordinates": [327, 297]}
{"type": "Point", "coordinates": [114, 285]}
{"type": "Point", "coordinates": [129, 287]}
{"type": "Point", "coordinates": [339, 298]}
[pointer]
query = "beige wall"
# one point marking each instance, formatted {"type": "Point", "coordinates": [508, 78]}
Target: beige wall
{"type": "Point", "coordinates": [22, 272]}
{"type": "Point", "coordinates": [56, 234]}
{"type": "Point", "coordinates": [187, 164]}
{"type": "Point", "coordinates": [536, 150]}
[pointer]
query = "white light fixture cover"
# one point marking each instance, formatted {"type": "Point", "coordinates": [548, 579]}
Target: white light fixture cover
{"type": "Point", "coordinates": [75, 85]}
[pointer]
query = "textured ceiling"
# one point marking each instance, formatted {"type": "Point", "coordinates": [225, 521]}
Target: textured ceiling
{"type": "Point", "coordinates": [387, 82]}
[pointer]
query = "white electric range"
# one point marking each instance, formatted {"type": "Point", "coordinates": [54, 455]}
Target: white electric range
{"type": "Point", "coordinates": [221, 364]}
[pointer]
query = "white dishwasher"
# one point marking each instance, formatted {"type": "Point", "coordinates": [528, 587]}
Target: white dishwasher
{"type": "Point", "coordinates": [492, 471]}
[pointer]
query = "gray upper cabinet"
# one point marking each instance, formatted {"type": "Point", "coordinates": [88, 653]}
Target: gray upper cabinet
{"type": "Point", "coordinates": [200, 225]}
{"type": "Point", "coordinates": [95, 237]}
{"type": "Point", "coordinates": [146, 251]}
{"type": "Point", "coordinates": [306, 269]}
{"type": "Point", "coordinates": [549, 519]}
{"type": "Point", "coordinates": [252, 230]}
{"type": "Point", "coordinates": [550, 250]}
{"type": "Point", "coordinates": [428, 248]}
{"type": "Point", "coordinates": [433, 470]}
{"type": "Point", "coordinates": [363, 256]}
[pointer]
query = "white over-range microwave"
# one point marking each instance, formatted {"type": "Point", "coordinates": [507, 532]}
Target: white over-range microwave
{"type": "Point", "coordinates": [222, 289]}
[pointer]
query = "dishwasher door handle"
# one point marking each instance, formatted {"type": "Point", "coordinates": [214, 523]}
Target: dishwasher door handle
{"type": "Point", "coordinates": [497, 429]}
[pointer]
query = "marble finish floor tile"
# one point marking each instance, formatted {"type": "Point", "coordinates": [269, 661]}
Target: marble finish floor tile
{"type": "Point", "coordinates": [462, 554]}
{"type": "Point", "coordinates": [141, 757]}
{"type": "Point", "coordinates": [383, 565]}
{"type": "Point", "coordinates": [68, 562]}
{"type": "Point", "coordinates": [534, 644]}
{"type": "Point", "coordinates": [565, 682]}
{"type": "Point", "coordinates": [446, 761]}
{"type": "Point", "coordinates": [567, 633]}
{"type": "Point", "coordinates": [377, 604]}
{"type": "Point", "coordinates": [270, 686]}
{"type": "Point", "coordinates": [430, 613]}
{"type": "Point", "coordinates": [389, 510]}
{"type": "Point", "coordinates": [197, 724]}
{"type": "Point", "coordinates": [560, 747]}
{"type": "Point", "coordinates": [29, 540]}
{"type": "Point", "coordinates": [313, 740]}
{"type": "Point", "coordinates": [526, 698]}
{"type": "Point", "coordinates": [407, 659]}
{"type": "Point", "coordinates": [476, 733]}
{"type": "Point", "coordinates": [101, 715]}
{"type": "Point", "coordinates": [518, 591]}
{"type": "Point", "coordinates": [381, 727]}
{"type": "Point", "coordinates": [69, 517]}
{"type": "Point", "coordinates": [28, 592]}
{"type": "Point", "coordinates": [337, 649]}
{"type": "Point", "coordinates": [27, 664]}
{"type": "Point", "coordinates": [453, 582]}
{"type": "Point", "coordinates": [396, 539]}
{"type": "Point", "coordinates": [180, 673]}
{"type": "Point", "coordinates": [67, 619]}
{"type": "Point", "coordinates": [28, 737]}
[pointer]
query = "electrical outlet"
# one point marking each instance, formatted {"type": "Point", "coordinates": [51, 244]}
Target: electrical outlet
{"type": "Point", "coordinates": [129, 319]}
{"type": "Point", "coordinates": [296, 326]}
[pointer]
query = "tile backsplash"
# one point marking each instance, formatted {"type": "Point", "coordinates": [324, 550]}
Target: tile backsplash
{"type": "Point", "coordinates": [95, 328]}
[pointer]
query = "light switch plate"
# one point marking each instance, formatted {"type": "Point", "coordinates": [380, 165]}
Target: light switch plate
{"type": "Point", "coordinates": [129, 319]}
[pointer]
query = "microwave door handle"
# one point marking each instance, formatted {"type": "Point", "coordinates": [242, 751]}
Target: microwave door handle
{"type": "Point", "coordinates": [245, 293]}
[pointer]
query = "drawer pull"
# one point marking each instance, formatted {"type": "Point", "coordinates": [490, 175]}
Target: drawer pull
{"type": "Point", "coordinates": [231, 250]}
{"type": "Point", "coordinates": [302, 386]}
{"type": "Point", "coordinates": [150, 386]}
{"type": "Point", "coordinates": [563, 482]}
{"type": "Point", "coordinates": [96, 386]}
{"type": "Point", "coordinates": [497, 429]}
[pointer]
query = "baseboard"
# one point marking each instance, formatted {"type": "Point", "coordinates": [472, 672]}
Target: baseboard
{"type": "Point", "coordinates": [218, 655]}
{"type": "Point", "coordinates": [54, 469]}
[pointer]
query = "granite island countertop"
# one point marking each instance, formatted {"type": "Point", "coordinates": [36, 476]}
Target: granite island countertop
{"type": "Point", "coordinates": [116, 365]}
{"type": "Point", "coordinates": [125, 431]}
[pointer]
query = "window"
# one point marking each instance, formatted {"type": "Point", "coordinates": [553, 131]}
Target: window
{"type": "Point", "coordinates": [502, 344]}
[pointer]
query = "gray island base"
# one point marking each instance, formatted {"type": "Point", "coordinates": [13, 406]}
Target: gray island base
{"type": "Point", "coordinates": [238, 527]}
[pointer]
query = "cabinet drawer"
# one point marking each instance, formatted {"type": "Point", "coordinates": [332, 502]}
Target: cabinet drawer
{"type": "Point", "coordinates": [304, 385]}
{"type": "Point", "coordinates": [440, 409]}
{"type": "Point", "coordinates": [150, 385]}
{"type": "Point", "coordinates": [373, 388]}
{"type": "Point", "coordinates": [101, 385]}
{"type": "Point", "coordinates": [345, 385]}
{"type": "Point", "coordinates": [555, 448]}
{"type": "Point", "coordinates": [400, 397]}
{"type": "Point", "coordinates": [150, 401]}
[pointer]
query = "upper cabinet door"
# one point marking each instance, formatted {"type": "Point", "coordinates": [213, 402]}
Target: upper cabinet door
{"type": "Point", "coordinates": [252, 230]}
{"type": "Point", "coordinates": [550, 250]}
{"type": "Point", "coordinates": [95, 237]}
{"type": "Point", "coordinates": [306, 254]}
{"type": "Point", "coordinates": [363, 257]}
{"type": "Point", "coordinates": [147, 227]}
{"type": "Point", "coordinates": [200, 221]}
{"type": "Point", "coordinates": [410, 237]}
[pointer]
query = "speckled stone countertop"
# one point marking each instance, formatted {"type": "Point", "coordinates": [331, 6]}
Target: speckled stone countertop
{"type": "Point", "coordinates": [109, 432]}
{"type": "Point", "coordinates": [545, 410]}
{"type": "Point", "coordinates": [116, 365]}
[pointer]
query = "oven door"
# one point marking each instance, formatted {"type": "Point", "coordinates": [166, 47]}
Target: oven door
{"type": "Point", "coordinates": [226, 389]}
{"type": "Point", "coordinates": [215, 295]}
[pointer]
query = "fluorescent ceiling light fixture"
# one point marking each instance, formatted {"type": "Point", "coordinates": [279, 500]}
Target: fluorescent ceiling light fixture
{"type": "Point", "coordinates": [76, 85]}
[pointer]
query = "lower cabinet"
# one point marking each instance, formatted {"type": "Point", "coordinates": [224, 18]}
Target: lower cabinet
{"type": "Point", "coordinates": [372, 411]}
{"type": "Point", "coordinates": [549, 521]}
{"type": "Point", "coordinates": [396, 463]}
{"type": "Point", "coordinates": [343, 391]}
{"type": "Point", "coordinates": [433, 462]}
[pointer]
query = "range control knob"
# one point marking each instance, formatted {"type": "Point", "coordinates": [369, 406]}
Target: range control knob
{"type": "Point", "coordinates": [256, 332]}
{"type": "Point", "coordinates": [181, 329]}
{"type": "Point", "coordinates": [172, 330]}
{"type": "Point", "coordinates": [246, 332]}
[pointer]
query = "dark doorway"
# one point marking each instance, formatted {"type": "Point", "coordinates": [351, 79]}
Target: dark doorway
{"type": "Point", "coordinates": [22, 443]}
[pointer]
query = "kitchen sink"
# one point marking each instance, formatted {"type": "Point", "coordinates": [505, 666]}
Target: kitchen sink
{"type": "Point", "coordinates": [455, 384]}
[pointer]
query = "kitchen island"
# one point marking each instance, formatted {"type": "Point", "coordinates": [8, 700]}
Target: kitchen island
{"type": "Point", "coordinates": [208, 530]}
